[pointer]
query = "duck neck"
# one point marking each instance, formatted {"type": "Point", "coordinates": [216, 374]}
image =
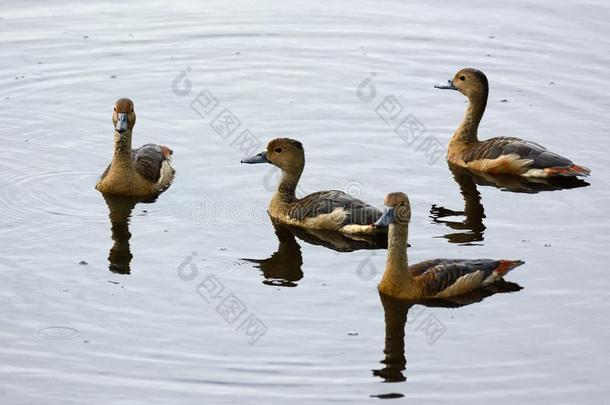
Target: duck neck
{"type": "Point", "coordinates": [467, 131]}
{"type": "Point", "coordinates": [286, 190]}
{"type": "Point", "coordinates": [397, 267]}
{"type": "Point", "coordinates": [121, 159]}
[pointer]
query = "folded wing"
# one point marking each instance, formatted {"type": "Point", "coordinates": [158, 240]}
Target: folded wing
{"type": "Point", "coordinates": [326, 202]}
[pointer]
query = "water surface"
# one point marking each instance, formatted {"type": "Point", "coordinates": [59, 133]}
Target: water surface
{"type": "Point", "coordinates": [98, 311]}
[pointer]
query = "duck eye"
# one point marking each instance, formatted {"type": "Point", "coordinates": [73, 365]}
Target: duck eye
{"type": "Point", "coordinates": [462, 77]}
{"type": "Point", "coordinates": [277, 150]}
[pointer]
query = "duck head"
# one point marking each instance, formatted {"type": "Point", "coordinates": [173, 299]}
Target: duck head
{"type": "Point", "coordinates": [123, 116]}
{"type": "Point", "coordinates": [285, 153]}
{"type": "Point", "coordinates": [470, 82]}
{"type": "Point", "coordinates": [398, 211]}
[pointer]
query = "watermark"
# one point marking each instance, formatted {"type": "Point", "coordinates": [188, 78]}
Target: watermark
{"type": "Point", "coordinates": [405, 125]}
{"type": "Point", "coordinates": [221, 120]}
{"type": "Point", "coordinates": [354, 188]}
{"type": "Point", "coordinates": [226, 303]}
{"type": "Point", "coordinates": [430, 325]}
{"type": "Point", "coordinates": [209, 209]}
{"type": "Point", "coordinates": [366, 269]}
{"type": "Point", "coordinates": [273, 177]}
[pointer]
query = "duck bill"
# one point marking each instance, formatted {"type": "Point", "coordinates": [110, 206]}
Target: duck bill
{"type": "Point", "coordinates": [446, 86]}
{"type": "Point", "coordinates": [258, 158]}
{"type": "Point", "coordinates": [122, 124]}
{"type": "Point", "coordinates": [386, 219]}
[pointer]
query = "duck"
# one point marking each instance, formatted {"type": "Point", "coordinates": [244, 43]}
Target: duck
{"type": "Point", "coordinates": [396, 314]}
{"type": "Point", "coordinates": [331, 210]}
{"type": "Point", "coordinates": [144, 172]}
{"type": "Point", "coordinates": [431, 279]}
{"type": "Point", "coordinates": [502, 155]}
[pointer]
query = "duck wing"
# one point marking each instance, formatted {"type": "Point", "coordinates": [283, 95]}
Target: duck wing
{"type": "Point", "coordinates": [538, 155]}
{"type": "Point", "coordinates": [452, 277]}
{"type": "Point", "coordinates": [326, 202]}
{"type": "Point", "coordinates": [148, 160]}
{"type": "Point", "coordinates": [105, 172]}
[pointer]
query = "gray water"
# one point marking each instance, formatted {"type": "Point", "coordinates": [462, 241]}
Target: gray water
{"type": "Point", "coordinates": [79, 328]}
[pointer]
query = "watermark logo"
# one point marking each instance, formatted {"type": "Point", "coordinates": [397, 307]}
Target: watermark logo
{"type": "Point", "coordinates": [366, 270]}
{"type": "Point", "coordinates": [406, 126]}
{"type": "Point", "coordinates": [354, 188]}
{"type": "Point", "coordinates": [221, 120]}
{"type": "Point", "coordinates": [273, 177]}
{"type": "Point", "coordinates": [213, 211]}
{"type": "Point", "coordinates": [226, 303]}
{"type": "Point", "coordinates": [430, 325]}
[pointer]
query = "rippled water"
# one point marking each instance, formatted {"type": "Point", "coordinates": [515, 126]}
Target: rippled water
{"type": "Point", "coordinates": [100, 311]}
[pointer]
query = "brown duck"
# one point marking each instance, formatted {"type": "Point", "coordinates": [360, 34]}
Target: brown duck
{"type": "Point", "coordinates": [437, 278]}
{"type": "Point", "coordinates": [503, 155]}
{"type": "Point", "coordinates": [143, 172]}
{"type": "Point", "coordinates": [331, 210]}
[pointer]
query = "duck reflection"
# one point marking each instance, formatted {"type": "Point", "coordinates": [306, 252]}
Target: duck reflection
{"type": "Point", "coordinates": [471, 229]}
{"type": "Point", "coordinates": [283, 267]}
{"type": "Point", "coordinates": [339, 241]}
{"type": "Point", "coordinates": [120, 208]}
{"type": "Point", "coordinates": [396, 313]}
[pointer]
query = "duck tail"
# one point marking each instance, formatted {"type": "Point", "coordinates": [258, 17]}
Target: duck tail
{"type": "Point", "coordinates": [506, 266]}
{"type": "Point", "coordinates": [570, 171]}
{"type": "Point", "coordinates": [580, 170]}
{"type": "Point", "coordinates": [167, 152]}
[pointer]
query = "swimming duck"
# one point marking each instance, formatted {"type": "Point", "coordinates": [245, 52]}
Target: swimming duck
{"type": "Point", "coordinates": [396, 313]}
{"type": "Point", "coordinates": [142, 172]}
{"type": "Point", "coordinates": [437, 278]}
{"type": "Point", "coordinates": [503, 155]}
{"type": "Point", "coordinates": [328, 210]}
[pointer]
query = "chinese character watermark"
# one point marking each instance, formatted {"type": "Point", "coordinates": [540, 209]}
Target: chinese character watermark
{"type": "Point", "coordinates": [406, 126]}
{"type": "Point", "coordinates": [221, 120]}
{"type": "Point", "coordinates": [430, 325]}
{"type": "Point", "coordinates": [226, 303]}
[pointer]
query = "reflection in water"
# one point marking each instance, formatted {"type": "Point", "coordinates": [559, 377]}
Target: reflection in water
{"type": "Point", "coordinates": [341, 242]}
{"type": "Point", "coordinates": [471, 229]}
{"type": "Point", "coordinates": [396, 311]}
{"type": "Point", "coordinates": [120, 213]}
{"type": "Point", "coordinates": [395, 314]}
{"type": "Point", "coordinates": [283, 268]}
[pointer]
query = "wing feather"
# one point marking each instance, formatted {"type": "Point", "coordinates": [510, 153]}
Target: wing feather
{"type": "Point", "coordinates": [453, 275]}
{"type": "Point", "coordinates": [494, 148]}
{"type": "Point", "coordinates": [148, 160]}
{"type": "Point", "coordinates": [325, 202]}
